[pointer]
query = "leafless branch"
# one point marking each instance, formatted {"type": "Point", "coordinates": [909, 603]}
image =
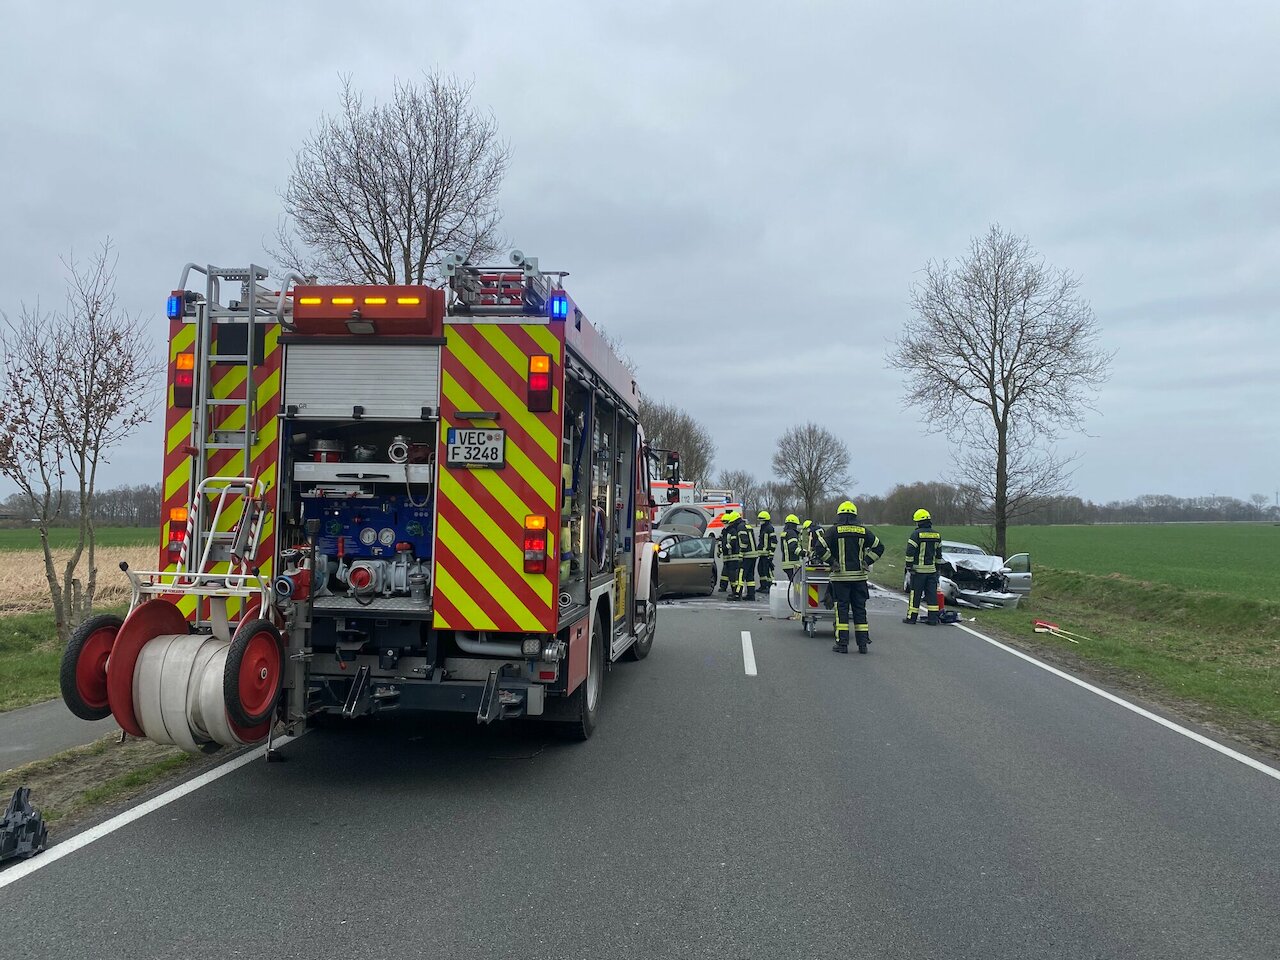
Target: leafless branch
{"type": "Point", "coordinates": [672, 428]}
{"type": "Point", "coordinates": [379, 192]}
{"type": "Point", "coordinates": [814, 461]}
{"type": "Point", "coordinates": [999, 343]}
{"type": "Point", "coordinates": [76, 383]}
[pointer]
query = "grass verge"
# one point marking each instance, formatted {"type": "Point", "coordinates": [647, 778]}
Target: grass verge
{"type": "Point", "coordinates": [71, 786]}
{"type": "Point", "coordinates": [29, 659]}
{"type": "Point", "coordinates": [30, 656]}
{"type": "Point", "coordinates": [1213, 656]}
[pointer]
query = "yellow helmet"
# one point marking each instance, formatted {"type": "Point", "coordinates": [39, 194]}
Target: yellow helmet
{"type": "Point", "coordinates": [921, 514]}
{"type": "Point", "coordinates": [763, 515]}
{"type": "Point", "coordinates": [791, 518]}
{"type": "Point", "coordinates": [807, 524]}
{"type": "Point", "coordinates": [730, 516]}
{"type": "Point", "coordinates": [848, 507]}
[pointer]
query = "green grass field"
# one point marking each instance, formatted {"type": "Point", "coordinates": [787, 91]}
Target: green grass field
{"type": "Point", "coordinates": [65, 537]}
{"type": "Point", "coordinates": [1187, 609]}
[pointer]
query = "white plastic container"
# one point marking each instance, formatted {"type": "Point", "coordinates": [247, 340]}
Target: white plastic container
{"type": "Point", "coordinates": [779, 609]}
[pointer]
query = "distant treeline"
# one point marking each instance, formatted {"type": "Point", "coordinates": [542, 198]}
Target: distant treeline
{"type": "Point", "coordinates": [127, 506]}
{"type": "Point", "coordinates": [954, 505]}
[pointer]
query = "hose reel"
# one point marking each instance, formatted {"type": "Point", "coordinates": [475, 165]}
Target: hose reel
{"type": "Point", "coordinates": [174, 687]}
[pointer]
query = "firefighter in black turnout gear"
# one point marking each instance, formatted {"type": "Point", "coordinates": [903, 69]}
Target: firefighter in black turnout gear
{"type": "Point", "coordinates": [852, 549]}
{"type": "Point", "coordinates": [767, 545]}
{"type": "Point", "coordinates": [791, 551]}
{"type": "Point", "coordinates": [749, 552]}
{"type": "Point", "coordinates": [924, 552]}
{"type": "Point", "coordinates": [731, 552]}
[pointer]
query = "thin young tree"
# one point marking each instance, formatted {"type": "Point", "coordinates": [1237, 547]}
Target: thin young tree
{"type": "Point", "coordinates": [379, 192]}
{"type": "Point", "coordinates": [75, 384]}
{"type": "Point", "coordinates": [814, 461]}
{"type": "Point", "coordinates": [1002, 350]}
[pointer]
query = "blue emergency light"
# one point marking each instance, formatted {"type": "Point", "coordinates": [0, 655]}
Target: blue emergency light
{"type": "Point", "coordinates": [558, 306]}
{"type": "Point", "coordinates": [177, 303]}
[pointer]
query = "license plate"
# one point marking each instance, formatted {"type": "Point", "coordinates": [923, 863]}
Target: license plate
{"type": "Point", "coordinates": [466, 447]}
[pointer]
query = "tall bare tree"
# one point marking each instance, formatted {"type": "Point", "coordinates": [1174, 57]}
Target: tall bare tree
{"type": "Point", "coordinates": [1002, 335]}
{"type": "Point", "coordinates": [814, 461]}
{"type": "Point", "coordinates": [75, 384]}
{"type": "Point", "coordinates": [379, 192]}
{"type": "Point", "coordinates": [672, 428]}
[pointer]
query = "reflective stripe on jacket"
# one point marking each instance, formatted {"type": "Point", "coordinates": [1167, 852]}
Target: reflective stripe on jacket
{"type": "Point", "coordinates": [848, 545]}
{"type": "Point", "coordinates": [924, 548]}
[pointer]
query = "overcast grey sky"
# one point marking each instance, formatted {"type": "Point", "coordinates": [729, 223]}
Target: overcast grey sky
{"type": "Point", "coordinates": [743, 192]}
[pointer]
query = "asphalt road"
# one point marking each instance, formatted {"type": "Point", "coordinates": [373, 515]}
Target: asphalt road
{"type": "Point", "coordinates": [35, 732]}
{"type": "Point", "coordinates": [936, 798]}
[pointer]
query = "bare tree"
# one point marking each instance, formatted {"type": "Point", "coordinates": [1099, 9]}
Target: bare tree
{"type": "Point", "coordinates": [379, 193]}
{"type": "Point", "coordinates": [814, 461]}
{"type": "Point", "coordinates": [748, 491]}
{"type": "Point", "coordinates": [76, 383]}
{"type": "Point", "coordinates": [672, 428]}
{"type": "Point", "coordinates": [1002, 335]}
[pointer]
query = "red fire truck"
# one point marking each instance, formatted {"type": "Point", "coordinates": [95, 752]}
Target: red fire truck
{"type": "Point", "coordinates": [377, 498]}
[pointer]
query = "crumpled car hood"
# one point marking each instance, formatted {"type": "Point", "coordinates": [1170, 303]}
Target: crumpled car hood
{"type": "Point", "coordinates": [974, 563]}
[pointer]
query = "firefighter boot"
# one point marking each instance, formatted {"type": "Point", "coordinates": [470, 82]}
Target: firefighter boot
{"type": "Point", "coordinates": [932, 620]}
{"type": "Point", "coordinates": [842, 642]}
{"type": "Point", "coordinates": [909, 618]}
{"type": "Point", "coordinates": [863, 640]}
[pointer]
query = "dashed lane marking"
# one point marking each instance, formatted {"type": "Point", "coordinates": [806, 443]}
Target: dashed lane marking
{"type": "Point", "coordinates": [748, 654]}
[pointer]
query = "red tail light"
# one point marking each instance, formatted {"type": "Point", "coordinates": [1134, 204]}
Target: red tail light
{"type": "Point", "coordinates": [535, 544]}
{"type": "Point", "coordinates": [184, 378]}
{"type": "Point", "coordinates": [539, 383]}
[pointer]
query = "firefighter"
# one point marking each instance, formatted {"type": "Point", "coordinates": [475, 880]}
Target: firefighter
{"type": "Point", "coordinates": [852, 549]}
{"type": "Point", "coordinates": [730, 551]}
{"type": "Point", "coordinates": [924, 550]}
{"type": "Point", "coordinates": [749, 553]}
{"type": "Point", "coordinates": [767, 545]}
{"type": "Point", "coordinates": [791, 552]}
{"type": "Point", "coordinates": [722, 549]}
{"type": "Point", "coordinates": [806, 538]}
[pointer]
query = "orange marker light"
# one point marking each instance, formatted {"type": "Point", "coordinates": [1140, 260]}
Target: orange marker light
{"type": "Point", "coordinates": [185, 361]}
{"type": "Point", "coordinates": [535, 522]}
{"type": "Point", "coordinates": [343, 301]}
{"type": "Point", "coordinates": [408, 301]}
{"type": "Point", "coordinates": [539, 364]}
{"type": "Point", "coordinates": [178, 514]}
{"type": "Point", "coordinates": [370, 301]}
{"type": "Point", "coordinates": [310, 301]}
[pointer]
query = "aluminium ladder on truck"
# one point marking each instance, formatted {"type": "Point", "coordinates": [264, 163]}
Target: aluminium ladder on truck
{"type": "Point", "coordinates": [216, 558]}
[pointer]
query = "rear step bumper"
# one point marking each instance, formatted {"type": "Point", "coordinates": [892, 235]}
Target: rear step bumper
{"type": "Point", "coordinates": [495, 698]}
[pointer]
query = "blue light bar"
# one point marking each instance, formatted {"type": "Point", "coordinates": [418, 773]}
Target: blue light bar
{"type": "Point", "coordinates": [558, 306]}
{"type": "Point", "coordinates": [173, 309]}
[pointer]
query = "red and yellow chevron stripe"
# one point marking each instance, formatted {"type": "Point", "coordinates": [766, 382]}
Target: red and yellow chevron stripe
{"type": "Point", "coordinates": [480, 583]}
{"type": "Point", "coordinates": [228, 382]}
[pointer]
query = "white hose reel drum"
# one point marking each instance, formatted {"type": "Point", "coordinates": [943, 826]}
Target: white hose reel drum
{"type": "Point", "coordinates": [194, 690]}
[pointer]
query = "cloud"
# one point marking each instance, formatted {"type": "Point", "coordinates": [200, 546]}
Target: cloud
{"type": "Point", "coordinates": [743, 194]}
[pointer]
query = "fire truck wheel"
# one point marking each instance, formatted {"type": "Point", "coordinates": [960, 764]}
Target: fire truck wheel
{"type": "Point", "coordinates": [255, 667]}
{"type": "Point", "coordinates": [581, 709]}
{"type": "Point", "coordinates": [83, 677]}
{"type": "Point", "coordinates": [640, 649]}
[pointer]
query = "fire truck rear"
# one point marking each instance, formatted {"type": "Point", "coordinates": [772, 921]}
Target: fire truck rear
{"type": "Point", "coordinates": [378, 498]}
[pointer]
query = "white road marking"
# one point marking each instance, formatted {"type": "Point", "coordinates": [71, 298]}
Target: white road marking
{"type": "Point", "coordinates": [1156, 718]}
{"type": "Point", "coordinates": [82, 840]}
{"type": "Point", "coordinates": [748, 654]}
